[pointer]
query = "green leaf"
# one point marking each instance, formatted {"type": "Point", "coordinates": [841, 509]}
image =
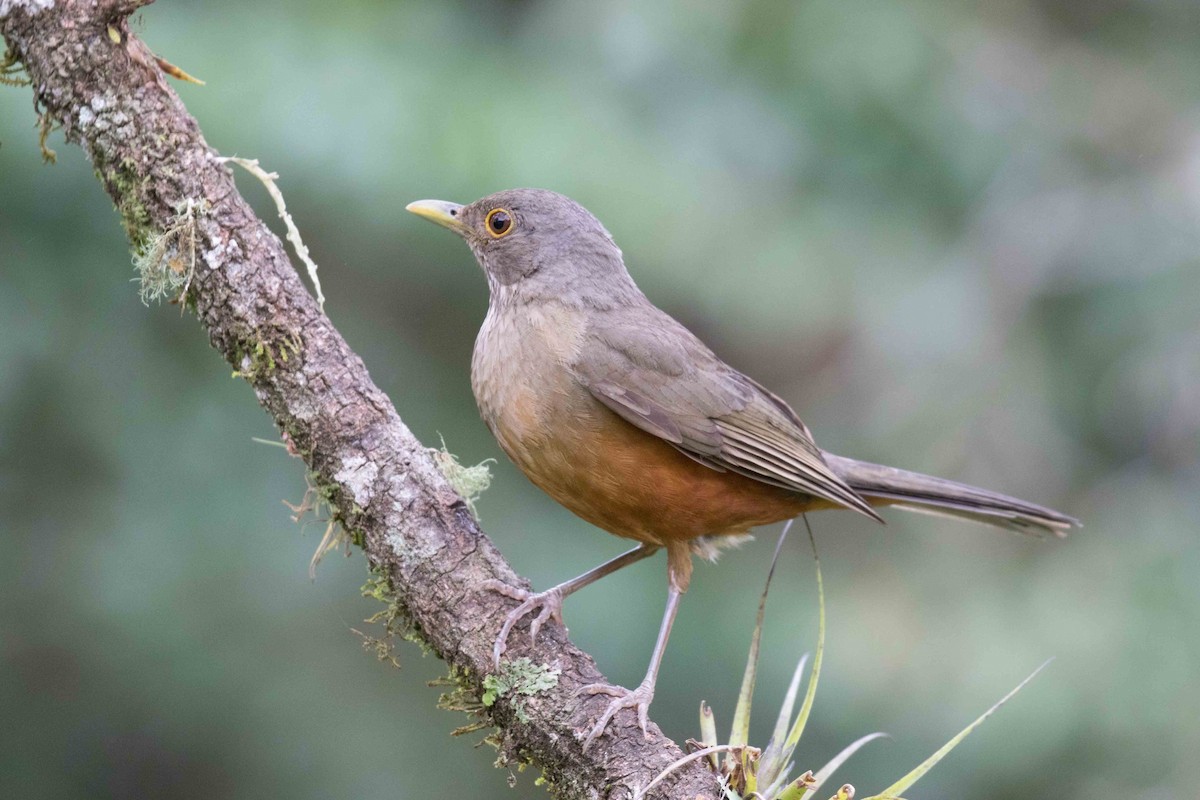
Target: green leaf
{"type": "Point", "coordinates": [811, 693]}
{"type": "Point", "coordinates": [774, 760]}
{"type": "Point", "coordinates": [825, 772]}
{"type": "Point", "coordinates": [491, 690]}
{"type": "Point", "coordinates": [750, 771]}
{"type": "Point", "coordinates": [789, 703]}
{"type": "Point", "coordinates": [795, 790]}
{"type": "Point", "coordinates": [708, 730]}
{"type": "Point", "coordinates": [908, 780]}
{"type": "Point", "coordinates": [739, 733]}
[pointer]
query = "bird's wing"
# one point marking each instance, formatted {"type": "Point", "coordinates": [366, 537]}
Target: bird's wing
{"type": "Point", "coordinates": [656, 375]}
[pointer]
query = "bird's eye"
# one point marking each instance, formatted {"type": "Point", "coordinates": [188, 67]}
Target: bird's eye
{"type": "Point", "coordinates": [499, 222]}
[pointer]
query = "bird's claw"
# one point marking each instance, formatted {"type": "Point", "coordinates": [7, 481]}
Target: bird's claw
{"type": "Point", "coordinates": [638, 699]}
{"type": "Point", "coordinates": [549, 601]}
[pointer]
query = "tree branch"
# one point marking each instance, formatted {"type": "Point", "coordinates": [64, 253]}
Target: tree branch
{"type": "Point", "coordinates": [107, 91]}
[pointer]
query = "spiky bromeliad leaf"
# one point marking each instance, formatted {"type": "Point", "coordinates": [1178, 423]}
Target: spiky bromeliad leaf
{"type": "Point", "coordinates": [739, 733]}
{"type": "Point", "coordinates": [774, 759]}
{"type": "Point", "coordinates": [708, 730]}
{"type": "Point", "coordinates": [894, 791]}
{"type": "Point", "coordinates": [797, 788]}
{"type": "Point", "coordinates": [824, 773]}
{"type": "Point", "coordinates": [810, 694]}
{"type": "Point", "coordinates": [779, 750]}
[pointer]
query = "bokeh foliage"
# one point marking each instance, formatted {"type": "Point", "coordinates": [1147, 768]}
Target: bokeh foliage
{"type": "Point", "coordinates": [958, 237]}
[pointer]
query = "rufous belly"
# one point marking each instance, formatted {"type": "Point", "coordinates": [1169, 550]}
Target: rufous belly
{"type": "Point", "coordinates": [633, 484]}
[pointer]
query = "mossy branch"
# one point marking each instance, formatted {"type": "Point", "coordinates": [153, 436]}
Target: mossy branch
{"type": "Point", "coordinates": [109, 94]}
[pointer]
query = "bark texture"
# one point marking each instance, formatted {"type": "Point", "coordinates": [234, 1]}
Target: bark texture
{"type": "Point", "coordinates": [106, 90]}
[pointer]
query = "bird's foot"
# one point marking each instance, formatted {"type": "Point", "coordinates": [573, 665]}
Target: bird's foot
{"type": "Point", "coordinates": [548, 604]}
{"type": "Point", "coordinates": [638, 699]}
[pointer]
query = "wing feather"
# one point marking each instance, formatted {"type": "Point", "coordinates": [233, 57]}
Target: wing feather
{"type": "Point", "coordinates": [655, 374]}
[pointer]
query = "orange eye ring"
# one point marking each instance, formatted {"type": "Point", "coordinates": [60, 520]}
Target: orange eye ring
{"type": "Point", "coordinates": [499, 222]}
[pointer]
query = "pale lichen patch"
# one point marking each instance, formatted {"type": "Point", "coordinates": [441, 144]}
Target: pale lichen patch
{"type": "Point", "coordinates": [396, 542]}
{"type": "Point", "coordinates": [30, 6]}
{"type": "Point", "coordinates": [357, 475]}
{"type": "Point", "coordinates": [420, 543]}
{"type": "Point", "coordinates": [217, 256]}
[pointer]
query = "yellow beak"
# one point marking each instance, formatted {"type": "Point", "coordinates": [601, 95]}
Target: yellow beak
{"type": "Point", "coordinates": [440, 212]}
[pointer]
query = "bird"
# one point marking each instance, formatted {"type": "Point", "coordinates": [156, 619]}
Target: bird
{"type": "Point", "coordinates": [622, 415]}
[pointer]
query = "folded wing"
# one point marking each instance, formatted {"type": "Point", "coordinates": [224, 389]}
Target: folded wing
{"type": "Point", "coordinates": [655, 374]}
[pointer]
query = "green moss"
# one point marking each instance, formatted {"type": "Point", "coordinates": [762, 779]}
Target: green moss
{"type": "Point", "coordinates": [518, 677]}
{"type": "Point", "coordinates": [396, 621]}
{"type": "Point", "coordinates": [257, 359]}
{"type": "Point", "coordinates": [46, 126]}
{"type": "Point", "coordinates": [12, 71]}
{"type": "Point", "coordinates": [261, 361]}
{"type": "Point", "coordinates": [126, 185]}
{"type": "Point", "coordinates": [462, 695]}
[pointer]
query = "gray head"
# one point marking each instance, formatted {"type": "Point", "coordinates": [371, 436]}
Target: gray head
{"type": "Point", "coordinates": [534, 243]}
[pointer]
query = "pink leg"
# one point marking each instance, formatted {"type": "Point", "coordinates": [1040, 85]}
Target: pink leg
{"type": "Point", "coordinates": [550, 601]}
{"type": "Point", "coordinates": [640, 697]}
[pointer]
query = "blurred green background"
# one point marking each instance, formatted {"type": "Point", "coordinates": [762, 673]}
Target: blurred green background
{"type": "Point", "coordinates": [957, 237]}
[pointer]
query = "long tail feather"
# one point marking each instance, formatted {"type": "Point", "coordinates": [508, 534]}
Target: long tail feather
{"type": "Point", "coordinates": [916, 492]}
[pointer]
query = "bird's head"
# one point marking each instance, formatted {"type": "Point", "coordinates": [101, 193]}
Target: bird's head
{"type": "Point", "coordinates": [536, 243]}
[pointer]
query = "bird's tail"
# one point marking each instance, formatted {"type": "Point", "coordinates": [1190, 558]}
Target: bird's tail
{"type": "Point", "coordinates": [916, 492]}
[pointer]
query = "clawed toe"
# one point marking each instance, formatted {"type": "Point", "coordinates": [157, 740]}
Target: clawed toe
{"type": "Point", "coordinates": [506, 589]}
{"type": "Point", "coordinates": [548, 604]}
{"type": "Point", "coordinates": [638, 699]}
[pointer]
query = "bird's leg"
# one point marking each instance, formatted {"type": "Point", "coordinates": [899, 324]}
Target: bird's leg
{"type": "Point", "coordinates": [550, 601]}
{"type": "Point", "coordinates": [678, 575]}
